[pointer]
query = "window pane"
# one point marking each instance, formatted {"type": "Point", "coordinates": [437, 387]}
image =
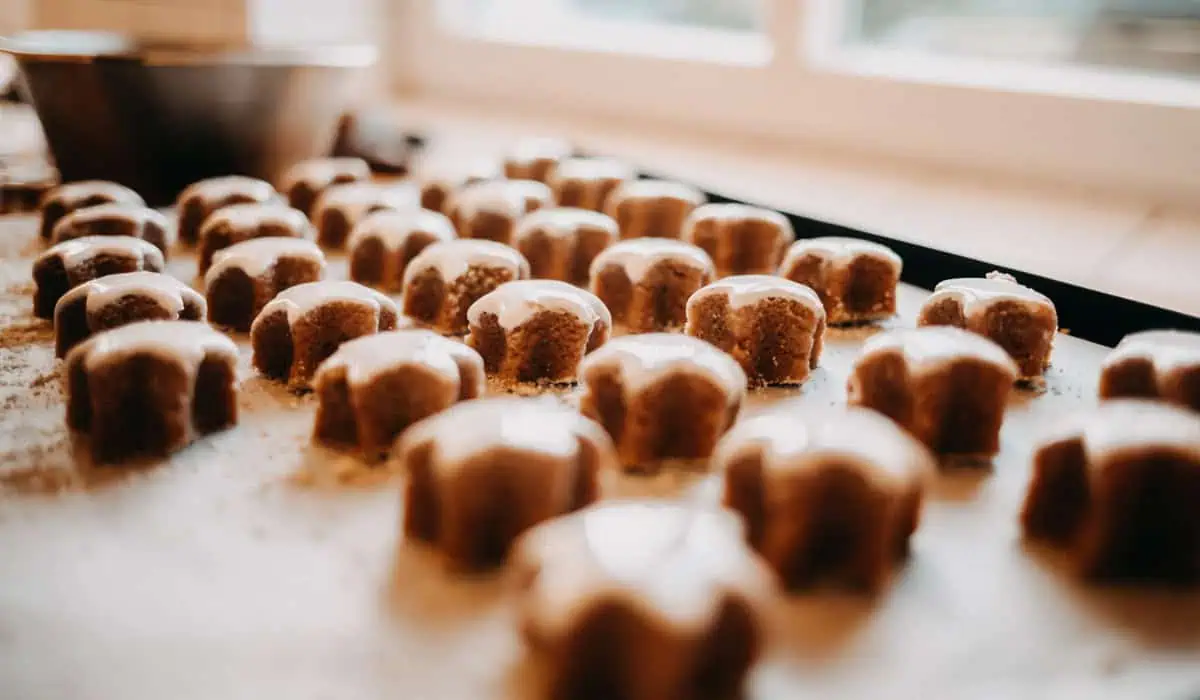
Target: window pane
{"type": "Point", "coordinates": [1146, 35]}
{"type": "Point", "coordinates": [717, 14]}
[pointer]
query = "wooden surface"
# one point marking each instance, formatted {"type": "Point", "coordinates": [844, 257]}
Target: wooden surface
{"type": "Point", "coordinates": [254, 565]}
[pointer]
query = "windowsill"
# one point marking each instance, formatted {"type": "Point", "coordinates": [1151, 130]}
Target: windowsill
{"type": "Point", "coordinates": [1130, 246]}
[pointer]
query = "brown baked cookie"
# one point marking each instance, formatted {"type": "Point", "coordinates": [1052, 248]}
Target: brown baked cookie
{"type": "Point", "coordinates": [150, 388]}
{"type": "Point", "coordinates": [537, 330]}
{"type": "Point", "coordinates": [115, 220]}
{"type": "Point", "coordinates": [442, 282]}
{"type": "Point", "coordinates": [829, 496]}
{"type": "Point", "coordinates": [741, 240]}
{"type": "Point", "coordinates": [241, 222]}
{"type": "Point", "coordinates": [303, 325]}
{"type": "Point", "coordinates": [71, 263]}
{"type": "Point", "coordinates": [1162, 365]}
{"type": "Point", "coordinates": [1116, 488]}
{"type": "Point", "coordinates": [661, 396]}
{"type": "Point", "coordinates": [373, 388]}
{"type": "Point", "coordinates": [855, 279]}
{"type": "Point", "coordinates": [118, 300]}
{"type": "Point", "coordinates": [201, 199]}
{"type": "Point", "coordinates": [64, 199]}
{"type": "Point", "coordinates": [643, 600]}
{"type": "Point", "coordinates": [247, 275]}
{"type": "Point", "coordinates": [306, 180]}
{"type": "Point", "coordinates": [482, 472]}
{"type": "Point", "coordinates": [773, 327]}
{"type": "Point", "coordinates": [647, 282]}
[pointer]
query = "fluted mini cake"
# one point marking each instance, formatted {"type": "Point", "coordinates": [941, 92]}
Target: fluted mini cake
{"type": "Point", "coordinates": [1116, 488]}
{"type": "Point", "coordinates": [535, 158]}
{"type": "Point", "coordinates": [340, 207]}
{"type": "Point", "coordinates": [490, 210]}
{"type": "Point", "coordinates": [585, 183]}
{"type": "Point", "coordinates": [643, 600]}
{"type": "Point", "coordinates": [946, 386]}
{"type": "Point", "coordinates": [772, 326]}
{"type": "Point", "coordinates": [381, 245]}
{"type": "Point", "coordinates": [646, 283]}
{"type": "Point", "coordinates": [652, 208]}
{"type": "Point", "coordinates": [247, 275]}
{"type": "Point", "coordinates": [1161, 365]}
{"type": "Point", "coordinates": [439, 184]}
{"type": "Point", "coordinates": [71, 263]}
{"type": "Point", "coordinates": [115, 219]}
{"type": "Point", "coordinates": [740, 239]}
{"type": "Point", "coordinates": [73, 196]}
{"type": "Point", "coordinates": [374, 387]}
{"type": "Point", "coordinates": [241, 222]}
{"type": "Point", "coordinates": [442, 282]}
{"type": "Point", "coordinates": [118, 300]}
{"type": "Point", "coordinates": [303, 325]}
{"type": "Point", "coordinates": [306, 180]}
{"type": "Point", "coordinates": [196, 203]}
{"type": "Point", "coordinates": [825, 496]}
{"type": "Point", "coordinates": [661, 396]}
{"type": "Point", "coordinates": [855, 279]}
{"type": "Point", "coordinates": [482, 472]}
{"type": "Point", "coordinates": [150, 388]}
{"type": "Point", "coordinates": [537, 330]}
{"type": "Point", "coordinates": [561, 243]}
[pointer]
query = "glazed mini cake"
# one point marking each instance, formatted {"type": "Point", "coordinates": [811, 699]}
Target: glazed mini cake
{"type": "Point", "coordinates": [71, 263]}
{"type": "Point", "coordinates": [438, 184]}
{"type": "Point", "coordinates": [946, 386]}
{"type": "Point", "coordinates": [25, 183]}
{"type": "Point", "coordinates": [241, 222]}
{"type": "Point", "coordinates": [535, 158]}
{"type": "Point", "coordinates": [1116, 487]}
{"type": "Point", "coordinates": [64, 199]}
{"type": "Point", "coordinates": [150, 388]}
{"type": "Point", "coordinates": [490, 210]}
{"type": "Point", "coordinates": [740, 239]}
{"type": "Point", "coordinates": [373, 388]}
{"type": "Point", "coordinates": [340, 207]}
{"type": "Point", "coordinates": [829, 496]}
{"type": "Point", "coordinates": [1161, 365]}
{"type": "Point", "coordinates": [773, 327]}
{"type": "Point", "coordinates": [202, 198]}
{"type": "Point", "coordinates": [643, 600]}
{"type": "Point", "coordinates": [115, 220]}
{"type": "Point", "coordinates": [118, 300]}
{"type": "Point", "coordinates": [303, 325]}
{"type": "Point", "coordinates": [560, 243]}
{"type": "Point", "coordinates": [586, 182]}
{"type": "Point", "coordinates": [661, 395]}
{"type": "Point", "coordinates": [247, 275]}
{"type": "Point", "coordinates": [646, 283]}
{"type": "Point", "coordinates": [652, 208]}
{"type": "Point", "coordinates": [482, 472]}
{"type": "Point", "coordinates": [855, 279]}
{"type": "Point", "coordinates": [306, 180]}
{"type": "Point", "coordinates": [381, 245]}
{"type": "Point", "coordinates": [445, 279]}
{"type": "Point", "coordinates": [537, 330]}
{"type": "Point", "coordinates": [1019, 319]}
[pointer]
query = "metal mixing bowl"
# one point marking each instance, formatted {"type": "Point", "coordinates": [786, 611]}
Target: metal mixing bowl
{"type": "Point", "coordinates": [157, 117]}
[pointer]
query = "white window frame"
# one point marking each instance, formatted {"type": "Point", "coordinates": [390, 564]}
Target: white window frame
{"type": "Point", "coordinates": [1082, 126]}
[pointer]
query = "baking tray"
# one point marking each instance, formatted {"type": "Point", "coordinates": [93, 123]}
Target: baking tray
{"type": "Point", "coordinates": [255, 565]}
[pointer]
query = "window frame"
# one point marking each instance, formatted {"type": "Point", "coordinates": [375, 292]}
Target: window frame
{"type": "Point", "coordinates": [1085, 127]}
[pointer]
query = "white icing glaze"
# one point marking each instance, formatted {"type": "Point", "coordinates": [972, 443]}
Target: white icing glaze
{"type": "Point", "coordinates": [258, 255]}
{"type": "Point", "coordinates": [592, 169]}
{"type": "Point", "coordinates": [792, 437]}
{"type": "Point", "coordinates": [451, 176]}
{"type": "Point", "coordinates": [654, 189]}
{"type": "Point", "coordinates": [839, 251]}
{"type": "Point", "coordinates": [514, 303]}
{"type": "Point", "coordinates": [141, 217]}
{"type": "Point", "coordinates": [357, 199]}
{"type": "Point", "coordinates": [304, 298]}
{"type": "Point", "coordinates": [746, 290]}
{"type": "Point", "coordinates": [452, 259]}
{"type": "Point", "coordinates": [501, 197]}
{"type": "Point", "coordinates": [561, 222]}
{"type": "Point", "coordinates": [672, 563]}
{"type": "Point", "coordinates": [252, 216]}
{"type": "Point", "coordinates": [393, 228]}
{"type": "Point", "coordinates": [167, 292]}
{"type": "Point", "coordinates": [1129, 425]}
{"type": "Point", "coordinates": [731, 212]}
{"type": "Point", "coordinates": [471, 428]}
{"type": "Point", "coordinates": [72, 193]}
{"type": "Point", "coordinates": [639, 255]}
{"type": "Point", "coordinates": [976, 294]}
{"type": "Point", "coordinates": [216, 189]}
{"type": "Point", "coordinates": [530, 149]}
{"type": "Point", "coordinates": [319, 172]}
{"type": "Point", "coordinates": [1169, 351]}
{"type": "Point", "coordinates": [79, 250]}
{"type": "Point", "coordinates": [930, 348]}
{"type": "Point", "coordinates": [369, 356]}
{"type": "Point", "coordinates": [187, 341]}
{"type": "Point", "coordinates": [643, 360]}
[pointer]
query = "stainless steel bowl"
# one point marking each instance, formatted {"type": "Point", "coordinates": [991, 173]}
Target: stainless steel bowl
{"type": "Point", "coordinates": [157, 117]}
